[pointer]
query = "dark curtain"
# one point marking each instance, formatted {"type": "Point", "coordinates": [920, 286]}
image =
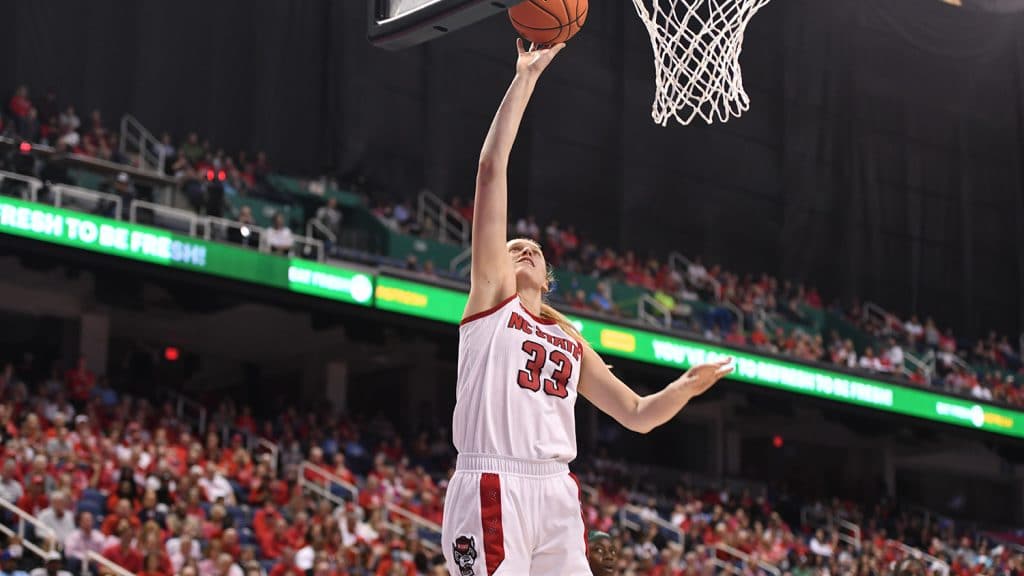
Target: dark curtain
{"type": "Point", "coordinates": [882, 157]}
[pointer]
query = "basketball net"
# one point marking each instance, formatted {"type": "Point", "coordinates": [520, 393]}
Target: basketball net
{"type": "Point", "coordinates": [697, 45]}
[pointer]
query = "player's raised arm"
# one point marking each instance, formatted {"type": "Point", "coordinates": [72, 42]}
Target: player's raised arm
{"type": "Point", "coordinates": [644, 413]}
{"type": "Point", "coordinates": [492, 277]}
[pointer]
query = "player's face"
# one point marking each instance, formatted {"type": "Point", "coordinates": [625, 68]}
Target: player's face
{"type": "Point", "coordinates": [603, 557]}
{"type": "Point", "coordinates": [528, 262]}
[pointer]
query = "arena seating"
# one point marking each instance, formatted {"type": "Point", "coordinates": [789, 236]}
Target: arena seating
{"type": "Point", "coordinates": [303, 493]}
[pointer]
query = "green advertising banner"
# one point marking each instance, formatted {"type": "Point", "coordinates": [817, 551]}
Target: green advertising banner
{"type": "Point", "coordinates": [447, 305]}
{"type": "Point", "coordinates": [156, 246]}
{"type": "Point", "coordinates": [160, 247]}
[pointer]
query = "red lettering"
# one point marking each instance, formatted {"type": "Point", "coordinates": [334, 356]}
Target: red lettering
{"type": "Point", "coordinates": [519, 323]}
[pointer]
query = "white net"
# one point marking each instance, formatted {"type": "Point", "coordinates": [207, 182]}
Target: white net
{"type": "Point", "coordinates": [697, 45]}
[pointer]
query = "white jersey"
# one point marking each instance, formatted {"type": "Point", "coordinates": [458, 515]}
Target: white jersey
{"type": "Point", "coordinates": [517, 386]}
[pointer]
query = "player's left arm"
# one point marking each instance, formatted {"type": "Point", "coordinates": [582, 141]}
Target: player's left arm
{"type": "Point", "coordinates": [644, 413]}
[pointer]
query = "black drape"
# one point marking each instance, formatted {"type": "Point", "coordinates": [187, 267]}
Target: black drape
{"type": "Point", "coordinates": [882, 157]}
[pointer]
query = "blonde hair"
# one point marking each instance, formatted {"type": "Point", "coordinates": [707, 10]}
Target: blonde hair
{"type": "Point", "coordinates": [547, 311]}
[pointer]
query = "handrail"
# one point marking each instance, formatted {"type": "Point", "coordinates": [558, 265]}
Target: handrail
{"type": "Point", "coordinates": [272, 448]}
{"type": "Point", "coordinates": [315, 225]}
{"type": "Point", "coordinates": [419, 521]}
{"type": "Point", "coordinates": [30, 546]}
{"type": "Point", "coordinates": [181, 401]}
{"type": "Point", "coordinates": [464, 257]}
{"type": "Point", "coordinates": [444, 214]}
{"type": "Point", "coordinates": [102, 560]}
{"type": "Point", "coordinates": [656, 519]}
{"type": "Point", "coordinates": [60, 190]}
{"type": "Point", "coordinates": [329, 476]}
{"type": "Point", "coordinates": [663, 316]}
{"type": "Point", "coordinates": [854, 538]}
{"type": "Point", "coordinates": [740, 319]}
{"type": "Point", "coordinates": [675, 258]}
{"type": "Point", "coordinates": [228, 223]}
{"type": "Point", "coordinates": [23, 517]}
{"type": "Point", "coordinates": [916, 553]}
{"type": "Point", "coordinates": [190, 217]}
{"type": "Point", "coordinates": [926, 364]}
{"type": "Point", "coordinates": [745, 558]}
{"type": "Point", "coordinates": [34, 184]}
{"type": "Point", "coordinates": [143, 140]}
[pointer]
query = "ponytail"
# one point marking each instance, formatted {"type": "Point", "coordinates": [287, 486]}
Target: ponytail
{"type": "Point", "coordinates": [547, 312]}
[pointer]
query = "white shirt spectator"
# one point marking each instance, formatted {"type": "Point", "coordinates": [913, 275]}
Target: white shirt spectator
{"type": "Point", "coordinates": [173, 549]}
{"type": "Point", "coordinates": [10, 488]}
{"type": "Point", "coordinates": [896, 358]}
{"type": "Point", "coordinates": [697, 273]}
{"type": "Point", "coordinates": [280, 238]}
{"type": "Point", "coordinates": [63, 524]}
{"type": "Point", "coordinates": [980, 392]}
{"type": "Point", "coordinates": [820, 547]}
{"type": "Point", "coordinates": [304, 557]}
{"type": "Point", "coordinates": [914, 329]}
{"type": "Point", "coordinates": [217, 487]}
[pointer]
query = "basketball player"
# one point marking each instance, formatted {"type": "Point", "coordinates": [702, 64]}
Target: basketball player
{"type": "Point", "coordinates": [512, 507]}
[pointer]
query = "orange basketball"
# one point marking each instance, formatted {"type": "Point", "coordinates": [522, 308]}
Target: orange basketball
{"type": "Point", "coordinates": [547, 22]}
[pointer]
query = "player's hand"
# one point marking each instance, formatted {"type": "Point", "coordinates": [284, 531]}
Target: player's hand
{"type": "Point", "coordinates": [698, 379]}
{"type": "Point", "coordinates": [533, 61]}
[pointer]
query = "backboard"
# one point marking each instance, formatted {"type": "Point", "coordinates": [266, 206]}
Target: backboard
{"type": "Point", "coordinates": [396, 24]}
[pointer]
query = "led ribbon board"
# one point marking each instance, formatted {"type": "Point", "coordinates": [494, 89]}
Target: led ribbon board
{"type": "Point", "coordinates": [445, 305]}
{"type": "Point", "coordinates": [156, 246]}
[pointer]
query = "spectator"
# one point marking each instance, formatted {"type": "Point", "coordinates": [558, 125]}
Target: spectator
{"type": "Point", "coordinates": [68, 120]}
{"type": "Point", "coordinates": [79, 382]}
{"type": "Point", "coordinates": [19, 105]}
{"type": "Point", "coordinates": [34, 500]}
{"type": "Point", "coordinates": [57, 517]}
{"type": "Point", "coordinates": [30, 128]}
{"type": "Point", "coordinates": [246, 233]}
{"type": "Point", "coordinates": [602, 301]}
{"type": "Point", "coordinates": [395, 563]}
{"type": "Point", "coordinates": [10, 488]}
{"type": "Point", "coordinates": [216, 486]}
{"type": "Point", "coordinates": [9, 563]}
{"type": "Point", "coordinates": [895, 356]}
{"type": "Point", "coordinates": [330, 216]}
{"type": "Point", "coordinates": [602, 554]}
{"type": "Point", "coordinates": [279, 236]}
{"type": "Point", "coordinates": [53, 566]}
{"type": "Point", "coordinates": [528, 228]}
{"type": "Point", "coordinates": [819, 545]}
{"type": "Point", "coordinates": [48, 109]}
{"type": "Point", "coordinates": [869, 362]}
{"type": "Point", "coordinates": [192, 150]}
{"type": "Point", "coordinates": [84, 539]}
{"type": "Point", "coordinates": [124, 551]}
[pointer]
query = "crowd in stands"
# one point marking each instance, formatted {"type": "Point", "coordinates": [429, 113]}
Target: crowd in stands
{"type": "Point", "coordinates": [757, 311]}
{"type": "Point", "coordinates": [129, 479]}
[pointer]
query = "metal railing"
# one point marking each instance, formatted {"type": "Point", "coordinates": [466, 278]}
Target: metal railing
{"type": "Point", "coordinates": [329, 479]}
{"type": "Point", "coordinates": [682, 264]}
{"type": "Point", "coordinates": [633, 517]}
{"type": "Point", "coordinates": [461, 264]}
{"type": "Point", "coordinates": [181, 403]}
{"type": "Point", "coordinates": [649, 310]}
{"type": "Point", "coordinates": [848, 532]}
{"type": "Point", "coordinates": [924, 364]}
{"type": "Point", "coordinates": [451, 226]}
{"type": "Point", "coordinates": [218, 229]}
{"type": "Point", "coordinates": [135, 139]}
{"type": "Point", "coordinates": [42, 531]}
{"type": "Point", "coordinates": [935, 564]}
{"type": "Point", "coordinates": [29, 192]}
{"type": "Point", "coordinates": [316, 226]}
{"type": "Point", "coordinates": [746, 559]}
{"type": "Point", "coordinates": [163, 217]}
{"type": "Point", "coordinates": [91, 201]}
{"type": "Point", "coordinates": [428, 532]}
{"type": "Point", "coordinates": [109, 566]}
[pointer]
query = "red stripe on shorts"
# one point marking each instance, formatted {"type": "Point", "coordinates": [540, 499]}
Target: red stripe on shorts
{"type": "Point", "coordinates": [579, 492]}
{"type": "Point", "coordinates": [490, 519]}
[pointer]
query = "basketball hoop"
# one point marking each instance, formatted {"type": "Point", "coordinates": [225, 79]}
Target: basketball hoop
{"type": "Point", "coordinates": [697, 45]}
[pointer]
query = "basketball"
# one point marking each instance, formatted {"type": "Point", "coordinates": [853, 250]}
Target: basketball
{"type": "Point", "coordinates": [547, 22]}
